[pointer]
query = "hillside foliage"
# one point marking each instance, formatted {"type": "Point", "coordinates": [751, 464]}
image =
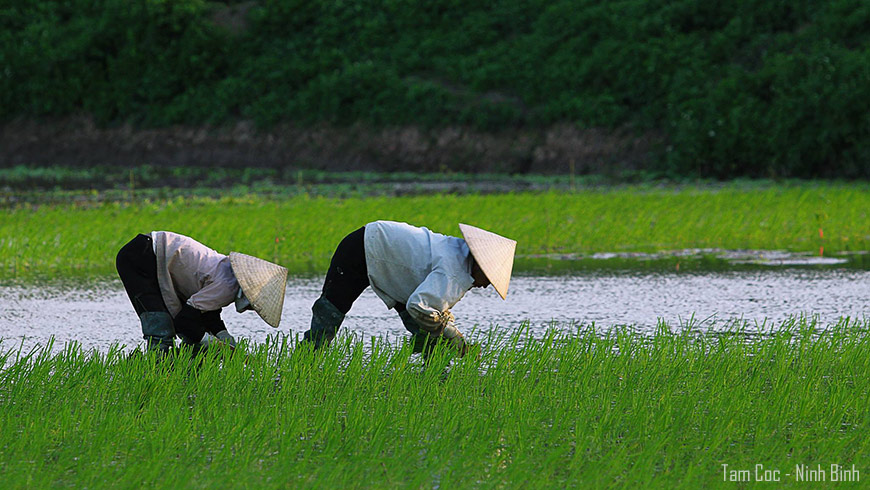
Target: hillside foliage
{"type": "Point", "coordinates": [757, 88]}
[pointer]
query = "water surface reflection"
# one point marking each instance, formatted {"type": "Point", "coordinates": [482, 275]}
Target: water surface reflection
{"type": "Point", "coordinates": [98, 314]}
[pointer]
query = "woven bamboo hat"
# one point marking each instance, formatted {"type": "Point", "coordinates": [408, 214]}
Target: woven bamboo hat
{"type": "Point", "coordinates": [493, 253]}
{"type": "Point", "coordinates": [263, 283]}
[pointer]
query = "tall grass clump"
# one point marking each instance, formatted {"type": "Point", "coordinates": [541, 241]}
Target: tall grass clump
{"type": "Point", "coordinates": [579, 409]}
{"type": "Point", "coordinates": [301, 232]}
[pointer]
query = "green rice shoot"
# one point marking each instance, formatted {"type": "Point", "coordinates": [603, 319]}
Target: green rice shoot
{"type": "Point", "coordinates": [301, 231]}
{"type": "Point", "coordinates": [575, 408]}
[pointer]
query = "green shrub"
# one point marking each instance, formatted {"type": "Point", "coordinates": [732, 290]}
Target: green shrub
{"type": "Point", "coordinates": [115, 59]}
{"type": "Point", "coordinates": [747, 88]}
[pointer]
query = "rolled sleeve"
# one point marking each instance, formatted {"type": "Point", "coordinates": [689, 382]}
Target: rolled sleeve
{"type": "Point", "coordinates": [213, 296]}
{"type": "Point", "coordinates": [430, 303]}
{"type": "Point", "coordinates": [219, 287]}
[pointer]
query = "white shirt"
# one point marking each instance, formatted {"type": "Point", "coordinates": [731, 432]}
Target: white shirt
{"type": "Point", "coordinates": [189, 269]}
{"type": "Point", "coordinates": [427, 272]}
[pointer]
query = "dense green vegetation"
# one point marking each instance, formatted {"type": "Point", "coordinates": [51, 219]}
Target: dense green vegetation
{"type": "Point", "coordinates": [301, 231]}
{"type": "Point", "coordinates": [569, 410]}
{"type": "Point", "coordinates": [759, 88]}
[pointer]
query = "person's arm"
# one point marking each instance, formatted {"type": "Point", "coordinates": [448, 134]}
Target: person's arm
{"type": "Point", "coordinates": [214, 295]}
{"type": "Point", "coordinates": [408, 321]}
{"type": "Point", "coordinates": [429, 304]}
{"type": "Point", "coordinates": [429, 307]}
{"type": "Point", "coordinates": [188, 324]}
{"type": "Point", "coordinates": [215, 325]}
{"type": "Point", "coordinates": [212, 322]}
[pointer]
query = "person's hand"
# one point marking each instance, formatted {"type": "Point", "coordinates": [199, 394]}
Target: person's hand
{"type": "Point", "coordinates": [455, 339]}
{"type": "Point", "coordinates": [224, 337]}
{"type": "Point", "coordinates": [446, 319]}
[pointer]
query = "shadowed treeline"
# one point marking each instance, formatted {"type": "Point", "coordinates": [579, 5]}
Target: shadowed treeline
{"type": "Point", "coordinates": [759, 88]}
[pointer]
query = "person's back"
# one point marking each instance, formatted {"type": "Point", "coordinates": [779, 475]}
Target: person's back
{"type": "Point", "coordinates": [188, 269]}
{"type": "Point", "coordinates": [400, 257]}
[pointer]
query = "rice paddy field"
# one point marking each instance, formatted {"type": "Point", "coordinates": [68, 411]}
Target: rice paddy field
{"type": "Point", "coordinates": [579, 406]}
{"type": "Point", "coordinates": [585, 409]}
{"type": "Point", "coordinates": [301, 231]}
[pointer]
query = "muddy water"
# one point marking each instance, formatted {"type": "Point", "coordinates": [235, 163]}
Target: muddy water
{"type": "Point", "coordinates": [99, 314]}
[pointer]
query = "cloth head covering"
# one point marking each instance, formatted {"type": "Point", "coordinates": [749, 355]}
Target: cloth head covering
{"type": "Point", "coordinates": [263, 283]}
{"type": "Point", "coordinates": [493, 253]}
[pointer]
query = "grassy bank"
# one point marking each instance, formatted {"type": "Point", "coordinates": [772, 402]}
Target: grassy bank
{"type": "Point", "coordinates": [34, 184]}
{"type": "Point", "coordinates": [301, 231]}
{"type": "Point", "coordinates": [568, 410]}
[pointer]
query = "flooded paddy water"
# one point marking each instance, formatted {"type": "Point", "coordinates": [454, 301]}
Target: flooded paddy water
{"type": "Point", "coordinates": [98, 313]}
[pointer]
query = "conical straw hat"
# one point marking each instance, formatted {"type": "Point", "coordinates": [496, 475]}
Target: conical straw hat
{"type": "Point", "coordinates": [493, 253]}
{"type": "Point", "coordinates": [263, 283]}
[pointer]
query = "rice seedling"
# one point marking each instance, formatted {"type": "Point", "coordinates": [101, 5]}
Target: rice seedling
{"type": "Point", "coordinates": [301, 231]}
{"type": "Point", "coordinates": [582, 408]}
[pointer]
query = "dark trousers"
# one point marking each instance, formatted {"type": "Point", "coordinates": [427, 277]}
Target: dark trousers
{"type": "Point", "coordinates": [137, 266]}
{"type": "Point", "coordinates": [347, 276]}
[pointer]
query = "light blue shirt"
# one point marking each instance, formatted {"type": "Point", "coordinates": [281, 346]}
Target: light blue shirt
{"type": "Point", "coordinates": [426, 271]}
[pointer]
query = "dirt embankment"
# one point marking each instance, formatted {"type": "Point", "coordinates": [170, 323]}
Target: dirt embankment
{"type": "Point", "coordinates": [556, 150]}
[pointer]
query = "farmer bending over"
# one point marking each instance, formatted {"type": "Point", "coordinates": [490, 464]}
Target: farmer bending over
{"type": "Point", "coordinates": [178, 287]}
{"type": "Point", "coordinates": [419, 273]}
